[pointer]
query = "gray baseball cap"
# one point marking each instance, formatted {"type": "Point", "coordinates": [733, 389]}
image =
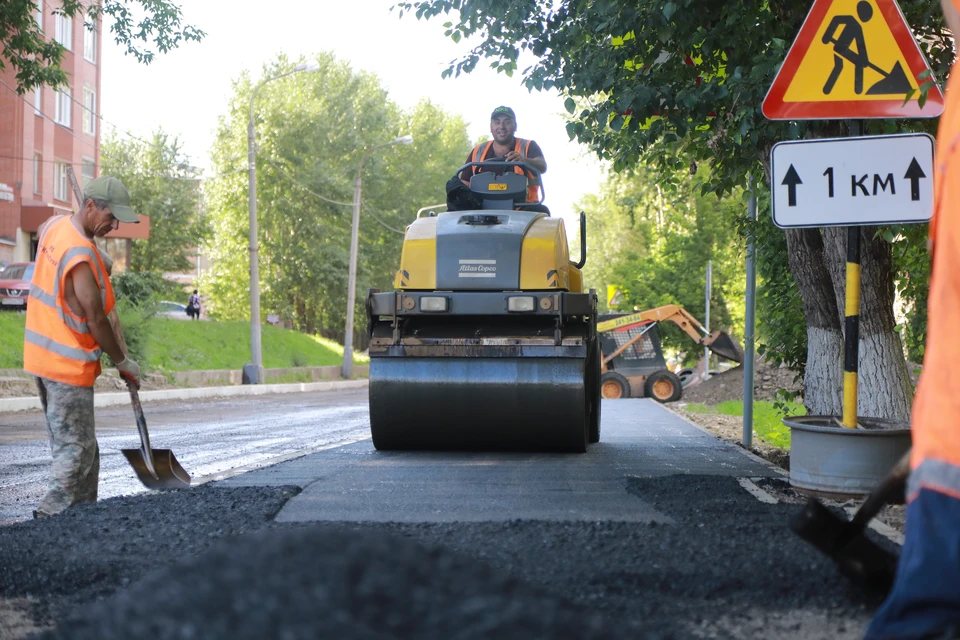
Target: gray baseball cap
{"type": "Point", "coordinates": [112, 191]}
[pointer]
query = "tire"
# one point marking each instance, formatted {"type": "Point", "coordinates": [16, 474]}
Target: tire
{"type": "Point", "coordinates": [686, 376]}
{"type": "Point", "coordinates": [614, 386]}
{"type": "Point", "coordinates": [663, 386]}
{"type": "Point", "coordinates": [593, 394]}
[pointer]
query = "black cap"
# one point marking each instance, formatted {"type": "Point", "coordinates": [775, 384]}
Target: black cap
{"type": "Point", "coordinates": [503, 111]}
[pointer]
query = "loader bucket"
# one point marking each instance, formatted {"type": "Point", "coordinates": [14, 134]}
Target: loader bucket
{"type": "Point", "coordinates": [720, 343]}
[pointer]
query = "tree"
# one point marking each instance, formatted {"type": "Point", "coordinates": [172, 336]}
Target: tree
{"type": "Point", "coordinates": [142, 26]}
{"type": "Point", "coordinates": [164, 186]}
{"type": "Point", "coordinates": [312, 130]}
{"type": "Point", "coordinates": [681, 82]}
{"type": "Point", "coordinates": [656, 239]}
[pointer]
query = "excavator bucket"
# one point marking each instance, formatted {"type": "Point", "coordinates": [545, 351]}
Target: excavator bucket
{"type": "Point", "coordinates": [720, 343]}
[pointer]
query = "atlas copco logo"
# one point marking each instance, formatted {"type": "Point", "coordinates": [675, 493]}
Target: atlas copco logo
{"type": "Point", "coordinates": [478, 269]}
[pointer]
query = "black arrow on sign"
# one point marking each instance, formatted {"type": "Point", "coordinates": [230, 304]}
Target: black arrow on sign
{"type": "Point", "coordinates": [792, 179]}
{"type": "Point", "coordinates": [914, 173]}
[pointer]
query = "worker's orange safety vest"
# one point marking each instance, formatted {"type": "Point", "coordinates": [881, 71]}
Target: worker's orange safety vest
{"type": "Point", "coordinates": [482, 152]}
{"type": "Point", "coordinates": [57, 344]}
{"type": "Point", "coordinates": [936, 434]}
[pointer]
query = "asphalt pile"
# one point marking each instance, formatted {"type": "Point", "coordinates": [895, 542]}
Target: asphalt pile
{"type": "Point", "coordinates": [210, 563]}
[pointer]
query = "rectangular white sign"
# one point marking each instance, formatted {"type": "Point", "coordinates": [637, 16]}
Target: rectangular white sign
{"type": "Point", "coordinates": [868, 180]}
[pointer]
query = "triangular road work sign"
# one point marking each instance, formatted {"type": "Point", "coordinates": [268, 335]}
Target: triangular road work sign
{"type": "Point", "coordinates": [852, 59]}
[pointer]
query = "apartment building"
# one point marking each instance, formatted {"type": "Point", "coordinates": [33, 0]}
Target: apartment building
{"type": "Point", "coordinates": [45, 131]}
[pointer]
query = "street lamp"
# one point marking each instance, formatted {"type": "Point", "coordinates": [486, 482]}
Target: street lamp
{"type": "Point", "coordinates": [347, 369]}
{"type": "Point", "coordinates": [253, 373]}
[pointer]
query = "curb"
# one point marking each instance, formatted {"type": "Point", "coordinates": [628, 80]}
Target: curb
{"type": "Point", "coordinates": [113, 399]}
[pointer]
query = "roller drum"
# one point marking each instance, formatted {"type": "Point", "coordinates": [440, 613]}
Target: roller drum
{"type": "Point", "coordinates": [504, 403]}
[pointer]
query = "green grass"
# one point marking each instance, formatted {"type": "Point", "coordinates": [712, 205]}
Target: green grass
{"type": "Point", "coordinates": [767, 419]}
{"type": "Point", "coordinates": [181, 345]}
{"type": "Point", "coordinates": [11, 339]}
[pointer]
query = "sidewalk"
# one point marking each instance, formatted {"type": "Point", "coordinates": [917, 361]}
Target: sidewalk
{"type": "Point", "coordinates": [112, 399]}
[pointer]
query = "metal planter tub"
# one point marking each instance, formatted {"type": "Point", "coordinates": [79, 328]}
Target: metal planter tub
{"type": "Point", "coordinates": [828, 458]}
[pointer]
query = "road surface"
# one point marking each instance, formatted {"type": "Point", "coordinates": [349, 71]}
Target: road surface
{"type": "Point", "coordinates": [212, 439]}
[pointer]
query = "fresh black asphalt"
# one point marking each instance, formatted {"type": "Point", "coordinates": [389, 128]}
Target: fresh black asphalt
{"type": "Point", "coordinates": [708, 561]}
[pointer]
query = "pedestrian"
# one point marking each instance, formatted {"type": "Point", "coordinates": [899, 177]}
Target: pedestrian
{"type": "Point", "coordinates": [925, 599]}
{"type": "Point", "coordinates": [193, 305]}
{"type": "Point", "coordinates": [67, 329]}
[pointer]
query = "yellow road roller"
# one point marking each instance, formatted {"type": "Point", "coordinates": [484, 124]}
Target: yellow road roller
{"type": "Point", "coordinates": [489, 341]}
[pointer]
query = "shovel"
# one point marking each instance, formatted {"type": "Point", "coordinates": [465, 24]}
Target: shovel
{"type": "Point", "coordinates": [156, 468]}
{"type": "Point", "coordinates": [844, 542]}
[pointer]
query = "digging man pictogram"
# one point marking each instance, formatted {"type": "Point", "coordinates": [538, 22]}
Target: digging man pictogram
{"type": "Point", "coordinates": [845, 33]}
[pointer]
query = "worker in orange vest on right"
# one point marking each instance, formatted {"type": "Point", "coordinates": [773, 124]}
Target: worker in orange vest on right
{"type": "Point", "coordinates": [925, 599]}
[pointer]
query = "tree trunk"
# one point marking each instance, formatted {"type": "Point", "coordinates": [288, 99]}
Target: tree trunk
{"type": "Point", "coordinates": [884, 382]}
{"type": "Point", "coordinates": [823, 379]}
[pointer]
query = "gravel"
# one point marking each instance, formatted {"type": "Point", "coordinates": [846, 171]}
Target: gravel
{"type": "Point", "coordinates": [208, 563]}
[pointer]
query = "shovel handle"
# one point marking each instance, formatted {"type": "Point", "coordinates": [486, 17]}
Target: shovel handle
{"type": "Point", "coordinates": [885, 493]}
{"type": "Point", "coordinates": [142, 428]}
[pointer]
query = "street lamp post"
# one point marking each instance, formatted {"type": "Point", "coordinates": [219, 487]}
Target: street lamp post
{"type": "Point", "coordinates": [253, 373]}
{"type": "Point", "coordinates": [347, 368]}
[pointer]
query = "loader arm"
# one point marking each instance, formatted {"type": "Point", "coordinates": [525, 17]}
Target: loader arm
{"type": "Point", "coordinates": [718, 342]}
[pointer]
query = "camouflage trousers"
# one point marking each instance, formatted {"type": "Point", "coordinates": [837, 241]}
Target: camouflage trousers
{"type": "Point", "coordinates": [73, 444]}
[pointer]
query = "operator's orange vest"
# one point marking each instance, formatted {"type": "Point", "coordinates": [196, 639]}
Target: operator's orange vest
{"type": "Point", "coordinates": [482, 152]}
{"type": "Point", "coordinates": [57, 344]}
{"type": "Point", "coordinates": [936, 410]}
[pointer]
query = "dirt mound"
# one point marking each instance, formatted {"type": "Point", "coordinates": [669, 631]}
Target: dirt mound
{"type": "Point", "coordinates": [767, 380]}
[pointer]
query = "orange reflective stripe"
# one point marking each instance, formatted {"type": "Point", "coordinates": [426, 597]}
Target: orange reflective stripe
{"type": "Point", "coordinates": [58, 345]}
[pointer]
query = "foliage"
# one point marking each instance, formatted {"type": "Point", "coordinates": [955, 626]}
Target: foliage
{"type": "Point", "coordinates": [144, 27]}
{"type": "Point", "coordinates": [313, 130]}
{"type": "Point", "coordinates": [140, 288]}
{"type": "Point", "coordinates": [656, 238]}
{"type": "Point", "coordinates": [691, 74]}
{"type": "Point", "coordinates": [767, 418]}
{"type": "Point", "coordinates": [164, 186]}
{"type": "Point", "coordinates": [912, 262]}
{"type": "Point", "coordinates": [781, 333]}
{"type": "Point", "coordinates": [182, 345]}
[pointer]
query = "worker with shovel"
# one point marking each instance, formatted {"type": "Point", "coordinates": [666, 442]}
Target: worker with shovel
{"type": "Point", "coordinates": [67, 329]}
{"type": "Point", "coordinates": [925, 599]}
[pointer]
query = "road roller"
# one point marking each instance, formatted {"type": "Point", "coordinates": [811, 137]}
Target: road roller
{"type": "Point", "coordinates": [488, 341]}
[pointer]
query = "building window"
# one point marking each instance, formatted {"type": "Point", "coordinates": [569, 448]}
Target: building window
{"type": "Point", "coordinates": [37, 173]}
{"type": "Point", "coordinates": [89, 111]}
{"type": "Point", "coordinates": [63, 105]}
{"type": "Point", "coordinates": [88, 170]}
{"type": "Point", "coordinates": [90, 42]}
{"type": "Point", "coordinates": [61, 184]}
{"type": "Point", "coordinates": [64, 31]}
{"type": "Point", "coordinates": [39, 14]}
{"type": "Point", "coordinates": [38, 100]}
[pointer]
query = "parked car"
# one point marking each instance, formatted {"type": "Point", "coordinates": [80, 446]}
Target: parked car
{"type": "Point", "coordinates": [15, 285]}
{"type": "Point", "coordinates": [174, 310]}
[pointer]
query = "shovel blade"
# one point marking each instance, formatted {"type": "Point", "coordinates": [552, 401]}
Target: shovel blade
{"type": "Point", "coordinates": [720, 343]}
{"type": "Point", "coordinates": [857, 556]}
{"type": "Point", "coordinates": [168, 472]}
